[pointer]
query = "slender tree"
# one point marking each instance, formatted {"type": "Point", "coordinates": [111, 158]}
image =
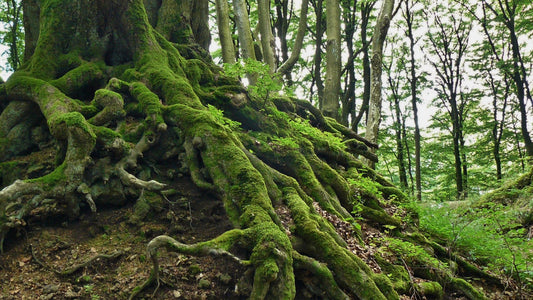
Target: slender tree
{"type": "Point", "coordinates": [449, 43]}
{"type": "Point", "coordinates": [413, 78]}
{"type": "Point", "coordinates": [224, 31]}
{"type": "Point", "coordinates": [507, 12]}
{"type": "Point", "coordinates": [317, 61]}
{"type": "Point", "coordinates": [267, 39]}
{"type": "Point", "coordinates": [380, 33]}
{"type": "Point", "coordinates": [366, 10]}
{"type": "Point", "coordinates": [332, 86]}
{"type": "Point", "coordinates": [13, 35]}
{"type": "Point", "coordinates": [289, 63]}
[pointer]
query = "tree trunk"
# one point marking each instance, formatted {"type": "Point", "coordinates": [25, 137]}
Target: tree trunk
{"type": "Point", "coordinates": [333, 60]}
{"type": "Point", "coordinates": [413, 83]}
{"type": "Point", "coordinates": [267, 39]}
{"type": "Point", "coordinates": [224, 32]}
{"type": "Point", "coordinates": [380, 34]}
{"type": "Point", "coordinates": [366, 9]}
{"type": "Point", "coordinates": [243, 26]}
{"type": "Point", "coordinates": [246, 41]}
{"type": "Point", "coordinates": [288, 64]}
{"type": "Point", "coordinates": [317, 61]}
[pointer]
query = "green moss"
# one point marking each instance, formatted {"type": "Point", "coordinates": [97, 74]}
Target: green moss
{"type": "Point", "coordinates": [412, 254]}
{"type": "Point", "coordinates": [349, 269]}
{"type": "Point", "coordinates": [149, 102]}
{"type": "Point", "coordinates": [72, 119]}
{"type": "Point", "coordinates": [465, 287]}
{"type": "Point", "coordinates": [379, 216]}
{"type": "Point", "coordinates": [53, 178]}
{"type": "Point", "coordinates": [385, 286]}
{"type": "Point", "coordinates": [75, 82]}
{"type": "Point", "coordinates": [146, 204]}
{"type": "Point", "coordinates": [396, 273]}
{"type": "Point", "coordinates": [198, 73]}
{"type": "Point", "coordinates": [430, 289]}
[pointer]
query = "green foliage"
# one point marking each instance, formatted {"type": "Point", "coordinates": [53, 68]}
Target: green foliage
{"type": "Point", "coordinates": [286, 142]}
{"type": "Point", "coordinates": [266, 82]}
{"type": "Point", "coordinates": [310, 131]}
{"type": "Point", "coordinates": [12, 33]}
{"type": "Point", "coordinates": [493, 235]}
{"type": "Point", "coordinates": [219, 116]}
{"type": "Point", "coordinates": [412, 254]}
{"type": "Point", "coordinates": [366, 185]}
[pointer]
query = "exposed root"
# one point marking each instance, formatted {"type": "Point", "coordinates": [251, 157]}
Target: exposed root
{"type": "Point", "coordinates": [323, 283]}
{"type": "Point", "coordinates": [215, 247]}
{"type": "Point", "coordinates": [75, 268]}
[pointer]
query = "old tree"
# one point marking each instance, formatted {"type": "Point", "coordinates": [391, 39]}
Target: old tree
{"type": "Point", "coordinates": [110, 88]}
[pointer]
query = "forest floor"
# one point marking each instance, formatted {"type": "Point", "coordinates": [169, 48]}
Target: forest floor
{"type": "Point", "coordinates": [28, 266]}
{"type": "Point", "coordinates": [33, 259]}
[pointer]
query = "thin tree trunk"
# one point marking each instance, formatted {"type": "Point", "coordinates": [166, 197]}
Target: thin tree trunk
{"type": "Point", "coordinates": [348, 97]}
{"type": "Point", "coordinates": [287, 66]}
{"type": "Point", "coordinates": [245, 34]}
{"type": "Point", "coordinates": [413, 81]}
{"type": "Point", "coordinates": [333, 60]}
{"type": "Point", "coordinates": [224, 32]}
{"type": "Point", "coordinates": [318, 54]}
{"type": "Point", "coordinates": [267, 39]}
{"type": "Point", "coordinates": [374, 111]}
{"type": "Point", "coordinates": [366, 9]}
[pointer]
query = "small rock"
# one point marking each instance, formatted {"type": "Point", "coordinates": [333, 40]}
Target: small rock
{"type": "Point", "coordinates": [204, 283]}
{"type": "Point", "coordinates": [176, 294]}
{"type": "Point", "coordinates": [51, 288]}
{"type": "Point", "coordinates": [47, 297]}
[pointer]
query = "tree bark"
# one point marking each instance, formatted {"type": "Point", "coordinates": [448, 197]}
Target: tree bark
{"type": "Point", "coordinates": [224, 32]}
{"type": "Point", "coordinates": [317, 61]}
{"type": "Point", "coordinates": [333, 60]}
{"type": "Point", "coordinates": [380, 34]}
{"type": "Point", "coordinates": [267, 39]}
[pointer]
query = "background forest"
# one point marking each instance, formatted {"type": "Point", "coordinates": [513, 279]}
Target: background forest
{"type": "Point", "coordinates": [443, 87]}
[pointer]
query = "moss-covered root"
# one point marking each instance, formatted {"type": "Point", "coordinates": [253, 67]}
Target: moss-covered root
{"type": "Point", "coordinates": [322, 279]}
{"type": "Point", "coordinates": [350, 272]}
{"type": "Point", "coordinates": [462, 285]}
{"type": "Point", "coordinates": [218, 247]}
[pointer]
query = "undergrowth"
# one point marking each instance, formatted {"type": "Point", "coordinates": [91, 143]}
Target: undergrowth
{"type": "Point", "coordinates": [494, 235]}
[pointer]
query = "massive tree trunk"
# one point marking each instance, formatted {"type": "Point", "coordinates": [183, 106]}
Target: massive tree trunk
{"type": "Point", "coordinates": [114, 97]}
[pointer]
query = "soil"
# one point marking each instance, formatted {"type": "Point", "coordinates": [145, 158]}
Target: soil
{"type": "Point", "coordinates": [28, 266]}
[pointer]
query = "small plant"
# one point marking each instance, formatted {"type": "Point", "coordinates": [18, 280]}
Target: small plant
{"type": "Point", "coordinates": [365, 184]}
{"type": "Point", "coordinates": [219, 116]}
{"type": "Point", "coordinates": [286, 142]}
{"type": "Point", "coordinates": [89, 289]}
{"type": "Point", "coordinates": [492, 235]}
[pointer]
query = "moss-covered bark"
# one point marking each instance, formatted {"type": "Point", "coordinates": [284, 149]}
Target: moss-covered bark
{"type": "Point", "coordinates": [117, 98]}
